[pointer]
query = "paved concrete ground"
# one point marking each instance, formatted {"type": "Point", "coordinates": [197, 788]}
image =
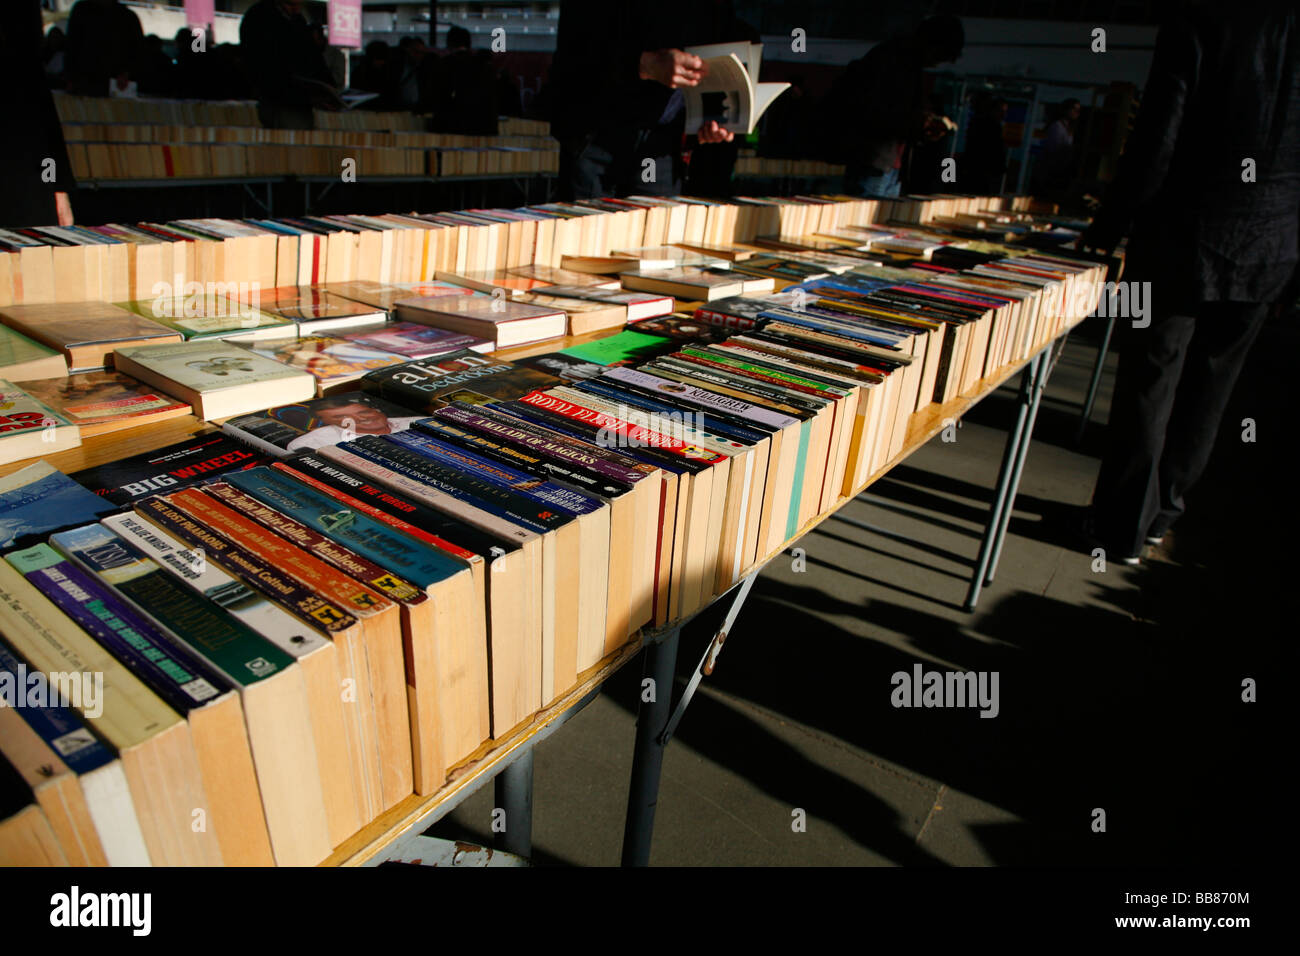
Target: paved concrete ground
{"type": "Point", "coordinates": [1118, 691]}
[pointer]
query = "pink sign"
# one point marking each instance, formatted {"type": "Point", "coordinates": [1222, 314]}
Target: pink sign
{"type": "Point", "coordinates": [199, 13]}
{"type": "Point", "coordinates": [345, 23]}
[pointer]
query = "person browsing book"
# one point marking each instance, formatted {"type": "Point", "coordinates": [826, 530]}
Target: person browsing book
{"type": "Point", "coordinates": [288, 72]}
{"type": "Point", "coordinates": [879, 107]}
{"type": "Point", "coordinates": [1208, 190]}
{"type": "Point", "coordinates": [616, 96]}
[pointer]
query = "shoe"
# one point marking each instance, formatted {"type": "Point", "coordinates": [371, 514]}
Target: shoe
{"type": "Point", "coordinates": [1090, 538]}
{"type": "Point", "coordinates": [1155, 540]}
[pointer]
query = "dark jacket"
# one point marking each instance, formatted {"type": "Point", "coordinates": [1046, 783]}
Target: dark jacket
{"type": "Point", "coordinates": [277, 51]}
{"type": "Point", "coordinates": [104, 41]}
{"type": "Point", "coordinates": [1224, 87]}
{"type": "Point", "coordinates": [877, 105]}
{"type": "Point", "coordinates": [34, 133]}
{"type": "Point", "coordinates": [595, 75]}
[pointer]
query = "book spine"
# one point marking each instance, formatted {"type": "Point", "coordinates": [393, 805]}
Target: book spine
{"type": "Point", "coordinates": [601, 461]}
{"type": "Point", "coordinates": [478, 492]}
{"type": "Point", "coordinates": [332, 552]}
{"type": "Point", "coordinates": [634, 433]}
{"type": "Point", "coordinates": [701, 397]}
{"type": "Point", "coordinates": [259, 574]}
{"type": "Point", "coordinates": [368, 540]}
{"type": "Point", "coordinates": [309, 571]}
{"type": "Point", "coordinates": [521, 437]}
{"type": "Point", "coordinates": [238, 652]}
{"type": "Point", "coordinates": [196, 572]}
{"type": "Point", "coordinates": [60, 727]}
{"type": "Point", "coordinates": [723, 320]}
{"type": "Point", "coordinates": [409, 517]}
{"type": "Point", "coordinates": [542, 492]}
{"type": "Point", "coordinates": [170, 672]}
{"type": "Point", "coordinates": [506, 452]}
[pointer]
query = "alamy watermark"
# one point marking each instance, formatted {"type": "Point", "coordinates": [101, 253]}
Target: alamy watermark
{"type": "Point", "coordinates": [646, 426]}
{"type": "Point", "coordinates": [922, 688]}
{"type": "Point", "coordinates": [80, 690]}
{"type": "Point", "coordinates": [1121, 300]}
{"type": "Point", "coordinates": [180, 300]}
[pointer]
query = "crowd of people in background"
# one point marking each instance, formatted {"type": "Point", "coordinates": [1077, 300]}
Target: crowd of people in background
{"type": "Point", "coordinates": [284, 61]}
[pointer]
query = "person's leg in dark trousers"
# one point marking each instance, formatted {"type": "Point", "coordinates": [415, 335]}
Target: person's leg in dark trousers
{"type": "Point", "coordinates": [1175, 379]}
{"type": "Point", "coordinates": [1224, 334]}
{"type": "Point", "coordinates": [1126, 496]}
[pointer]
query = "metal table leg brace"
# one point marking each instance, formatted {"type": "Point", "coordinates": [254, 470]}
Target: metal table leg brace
{"type": "Point", "coordinates": [655, 725]}
{"type": "Point", "coordinates": [1032, 385]}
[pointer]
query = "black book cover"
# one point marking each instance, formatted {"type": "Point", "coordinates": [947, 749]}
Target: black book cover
{"type": "Point", "coordinates": [168, 469]}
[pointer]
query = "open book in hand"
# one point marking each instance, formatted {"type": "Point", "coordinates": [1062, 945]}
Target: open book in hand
{"type": "Point", "coordinates": [729, 92]}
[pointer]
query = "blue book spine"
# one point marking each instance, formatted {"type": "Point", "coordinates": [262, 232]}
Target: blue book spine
{"type": "Point", "coordinates": [411, 465]}
{"type": "Point", "coordinates": [386, 547]}
{"type": "Point", "coordinates": [167, 670]}
{"type": "Point", "coordinates": [61, 728]}
{"type": "Point", "coordinates": [546, 492]}
{"type": "Point", "coordinates": [725, 430]}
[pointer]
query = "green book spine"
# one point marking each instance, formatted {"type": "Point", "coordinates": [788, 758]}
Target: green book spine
{"type": "Point", "coordinates": [239, 653]}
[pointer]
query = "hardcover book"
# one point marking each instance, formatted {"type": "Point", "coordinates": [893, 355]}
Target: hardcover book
{"type": "Point", "coordinates": [498, 320]}
{"type": "Point", "coordinates": [218, 379]}
{"type": "Point", "coordinates": [411, 340]}
{"type": "Point", "coordinates": [87, 333]}
{"type": "Point", "coordinates": [31, 428]}
{"type": "Point", "coordinates": [200, 317]}
{"type": "Point", "coordinates": [102, 402]}
{"type": "Point", "coordinates": [22, 360]}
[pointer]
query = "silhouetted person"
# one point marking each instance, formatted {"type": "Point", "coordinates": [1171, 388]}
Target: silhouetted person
{"type": "Point", "coordinates": [615, 93]}
{"type": "Point", "coordinates": [336, 60]}
{"type": "Point", "coordinates": [288, 72]}
{"type": "Point", "coordinates": [1217, 249]}
{"type": "Point", "coordinates": [56, 46]}
{"type": "Point", "coordinates": [372, 74]}
{"type": "Point", "coordinates": [878, 107]}
{"type": "Point", "coordinates": [1055, 169]}
{"type": "Point", "coordinates": [464, 89]}
{"type": "Point", "coordinates": [413, 76]}
{"type": "Point", "coordinates": [508, 99]}
{"type": "Point", "coordinates": [984, 160]}
{"type": "Point", "coordinates": [34, 165]}
{"type": "Point", "coordinates": [155, 75]}
{"type": "Point", "coordinates": [104, 46]}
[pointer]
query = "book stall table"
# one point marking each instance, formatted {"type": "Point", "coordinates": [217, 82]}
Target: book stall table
{"type": "Point", "coordinates": [396, 834]}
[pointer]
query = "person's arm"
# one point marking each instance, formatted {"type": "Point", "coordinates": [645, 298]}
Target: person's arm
{"type": "Point", "coordinates": [1145, 161]}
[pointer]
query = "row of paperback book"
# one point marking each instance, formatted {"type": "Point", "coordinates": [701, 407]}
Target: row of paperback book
{"type": "Point", "coordinates": [133, 261]}
{"type": "Point", "coordinates": [300, 621]}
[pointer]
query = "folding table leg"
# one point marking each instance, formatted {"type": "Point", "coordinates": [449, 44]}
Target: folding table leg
{"type": "Point", "coordinates": [648, 758]}
{"type": "Point", "coordinates": [1035, 400]}
{"type": "Point", "coordinates": [513, 788]}
{"type": "Point", "coordinates": [1000, 491]}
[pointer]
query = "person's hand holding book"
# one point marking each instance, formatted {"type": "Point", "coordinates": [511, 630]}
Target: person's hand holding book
{"type": "Point", "coordinates": [673, 68]}
{"type": "Point", "coordinates": [711, 132]}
